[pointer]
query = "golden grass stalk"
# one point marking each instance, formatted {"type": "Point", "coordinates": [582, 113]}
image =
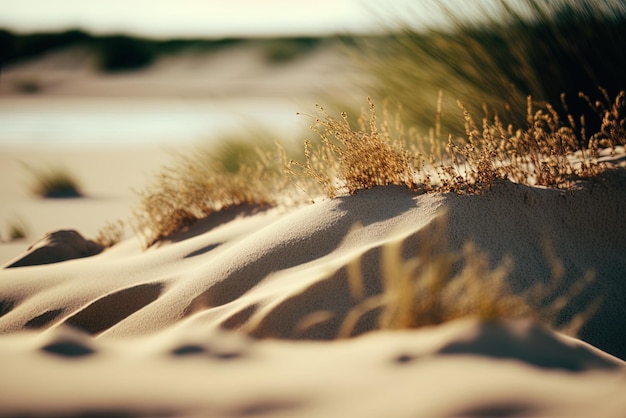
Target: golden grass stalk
{"type": "Point", "coordinates": [437, 285]}
{"type": "Point", "coordinates": [111, 233]}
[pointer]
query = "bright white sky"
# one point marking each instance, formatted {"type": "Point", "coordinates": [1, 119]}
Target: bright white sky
{"type": "Point", "coordinates": [211, 18]}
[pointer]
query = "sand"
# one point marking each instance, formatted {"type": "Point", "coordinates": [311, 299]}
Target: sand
{"type": "Point", "coordinates": [239, 315]}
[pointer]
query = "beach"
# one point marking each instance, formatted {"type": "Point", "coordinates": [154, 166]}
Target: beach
{"type": "Point", "coordinates": [255, 311]}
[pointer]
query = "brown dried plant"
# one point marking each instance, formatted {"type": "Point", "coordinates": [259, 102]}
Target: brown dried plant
{"type": "Point", "coordinates": [349, 160]}
{"type": "Point", "coordinates": [547, 152]}
{"type": "Point", "coordinates": [425, 290]}
{"type": "Point", "coordinates": [437, 285]}
{"type": "Point", "coordinates": [196, 186]}
{"type": "Point", "coordinates": [111, 233]}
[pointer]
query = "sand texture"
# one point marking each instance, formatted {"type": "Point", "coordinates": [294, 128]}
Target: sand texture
{"type": "Point", "coordinates": [238, 315]}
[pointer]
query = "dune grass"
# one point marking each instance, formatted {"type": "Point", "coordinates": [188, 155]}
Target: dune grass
{"type": "Point", "coordinates": [17, 230]}
{"type": "Point", "coordinates": [55, 183]}
{"type": "Point", "coordinates": [380, 151]}
{"type": "Point", "coordinates": [547, 152]}
{"type": "Point", "coordinates": [28, 86]}
{"type": "Point", "coordinates": [437, 285]}
{"type": "Point", "coordinates": [198, 184]}
{"type": "Point", "coordinates": [424, 290]}
{"type": "Point", "coordinates": [500, 56]}
{"type": "Point", "coordinates": [110, 234]}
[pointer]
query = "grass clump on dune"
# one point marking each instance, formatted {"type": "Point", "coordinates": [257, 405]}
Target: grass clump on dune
{"type": "Point", "coordinates": [424, 290]}
{"type": "Point", "coordinates": [493, 66]}
{"type": "Point", "coordinates": [533, 128]}
{"type": "Point", "coordinates": [110, 234]}
{"type": "Point", "coordinates": [347, 160]}
{"type": "Point", "coordinates": [17, 230]}
{"type": "Point", "coordinates": [379, 152]}
{"type": "Point", "coordinates": [546, 152]}
{"type": "Point", "coordinates": [196, 186]}
{"type": "Point", "coordinates": [55, 183]}
{"type": "Point", "coordinates": [436, 285]}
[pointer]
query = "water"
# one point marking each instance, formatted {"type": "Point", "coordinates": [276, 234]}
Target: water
{"type": "Point", "coordinates": [118, 121]}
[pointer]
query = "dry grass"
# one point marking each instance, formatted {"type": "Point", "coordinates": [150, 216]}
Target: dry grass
{"type": "Point", "coordinates": [196, 186]}
{"type": "Point", "coordinates": [424, 291]}
{"type": "Point", "coordinates": [349, 160]}
{"type": "Point", "coordinates": [437, 285]}
{"type": "Point", "coordinates": [17, 230]}
{"type": "Point", "coordinates": [110, 234]}
{"type": "Point", "coordinates": [546, 152]}
{"type": "Point", "coordinates": [522, 141]}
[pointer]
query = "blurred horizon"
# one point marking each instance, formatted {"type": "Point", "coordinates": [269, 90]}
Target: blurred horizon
{"type": "Point", "coordinates": [104, 71]}
{"type": "Point", "coordinates": [236, 18]}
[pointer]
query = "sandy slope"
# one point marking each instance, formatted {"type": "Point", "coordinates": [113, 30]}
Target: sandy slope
{"type": "Point", "coordinates": [237, 315]}
{"type": "Point", "coordinates": [167, 331]}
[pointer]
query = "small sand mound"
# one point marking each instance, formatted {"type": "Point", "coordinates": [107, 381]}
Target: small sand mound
{"type": "Point", "coordinates": [55, 247]}
{"type": "Point", "coordinates": [67, 342]}
{"type": "Point", "coordinates": [515, 341]}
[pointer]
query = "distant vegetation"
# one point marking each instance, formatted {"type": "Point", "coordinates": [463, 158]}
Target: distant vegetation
{"type": "Point", "coordinates": [126, 53]}
{"type": "Point", "coordinates": [123, 53]}
{"type": "Point", "coordinates": [56, 183]}
{"type": "Point", "coordinates": [18, 230]}
{"type": "Point", "coordinates": [551, 50]}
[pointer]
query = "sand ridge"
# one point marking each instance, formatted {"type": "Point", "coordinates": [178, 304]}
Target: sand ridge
{"type": "Point", "coordinates": [218, 319]}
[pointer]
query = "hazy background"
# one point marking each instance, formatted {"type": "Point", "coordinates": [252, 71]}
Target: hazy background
{"type": "Point", "coordinates": [196, 91]}
{"type": "Point", "coordinates": [216, 18]}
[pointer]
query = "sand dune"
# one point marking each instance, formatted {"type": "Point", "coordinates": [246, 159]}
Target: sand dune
{"type": "Point", "coordinates": [218, 320]}
{"type": "Point", "coordinates": [238, 315]}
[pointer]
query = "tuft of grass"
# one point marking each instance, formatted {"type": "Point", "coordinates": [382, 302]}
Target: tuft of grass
{"type": "Point", "coordinates": [424, 291]}
{"type": "Point", "coordinates": [502, 55]}
{"type": "Point", "coordinates": [55, 183]}
{"type": "Point", "coordinates": [437, 285]}
{"type": "Point", "coordinates": [28, 86]}
{"type": "Point", "coordinates": [351, 160]}
{"type": "Point", "coordinates": [110, 234]}
{"type": "Point", "coordinates": [547, 151]}
{"type": "Point", "coordinates": [197, 185]}
{"type": "Point", "coordinates": [18, 230]}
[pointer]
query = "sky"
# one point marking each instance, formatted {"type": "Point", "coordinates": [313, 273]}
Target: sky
{"type": "Point", "coordinates": [211, 18]}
